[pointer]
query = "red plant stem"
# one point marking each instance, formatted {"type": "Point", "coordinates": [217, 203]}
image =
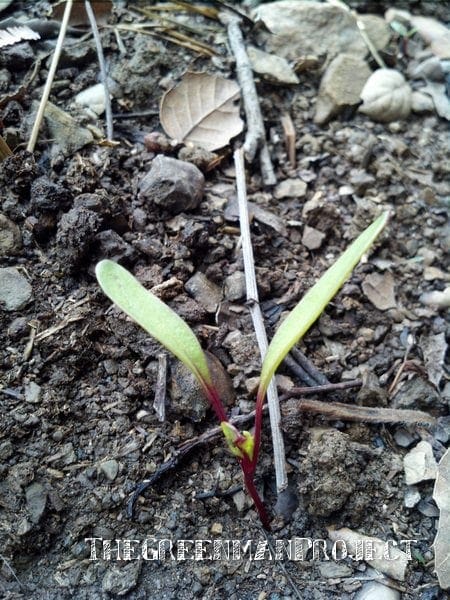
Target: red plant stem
{"type": "Point", "coordinates": [247, 471]}
{"type": "Point", "coordinates": [216, 402]}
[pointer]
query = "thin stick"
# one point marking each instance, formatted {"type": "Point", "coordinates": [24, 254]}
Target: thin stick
{"type": "Point", "coordinates": [318, 377]}
{"type": "Point", "coordinates": [50, 77]}
{"type": "Point", "coordinates": [103, 74]}
{"type": "Point", "coordinates": [159, 403]}
{"type": "Point", "coordinates": [258, 322]}
{"type": "Point", "coordinates": [256, 138]}
{"type": "Point", "coordinates": [361, 414]}
{"type": "Point", "coordinates": [321, 389]}
{"type": "Point", "coordinates": [289, 136]}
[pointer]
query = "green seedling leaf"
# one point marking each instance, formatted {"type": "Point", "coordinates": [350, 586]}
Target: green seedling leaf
{"type": "Point", "coordinates": [240, 443]}
{"type": "Point", "coordinates": [155, 317]}
{"type": "Point", "coordinates": [314, 302]}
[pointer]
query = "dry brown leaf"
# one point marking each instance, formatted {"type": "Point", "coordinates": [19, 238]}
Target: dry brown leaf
{"type": "Point", "coordinates": [441, 544]}
{"type": "Point", "coordinates": [202, 110]}
{"type": "Point", "coordinates": [13, 35]}
{"type": "Point", "coordinates": [78, 16]}
{"type": "Point", "coordinates": [386, 96]}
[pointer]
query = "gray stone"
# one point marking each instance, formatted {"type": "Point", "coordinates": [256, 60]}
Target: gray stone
{"type": "Point", "coordinates": [421, 102]}
{"type": "Point", "coordinates": [15, 291]}
{"type": "Point", "coordinates": [341, 86]}
{"type": "Point", "coordinates": [419, 464]}
{"type": "Point", "coordinates": [36, 499]}
{"type": "Point", "coordinates": [412, 496]}
{"type": "Point", "coordinates": [271, 67]}
{"type": "Point", "coordinates": [234, 286]}
{"type": "Point", "coordinates": [109, 468]}
{"type": "Point", "coordinates": [312, 238]}
{"type": "Point", "coordinates": [418, 393]}
{"type": "Point", "coordinates": [204, 291]}
{"type": "Point", "coordinates": [10, 237]}
{"type": "Point", "coordinates": [172, 184]}
{"type": "Point", "coordinates": [330, 570]}
{"type": "Point", "coordinates": [120, 580]}
{"type": "Point", "coordinates": [373, 590]}
{"type": "Point", "coordinates": [64, 129]}
{"type": "Point", "coordinates": [290, 188]}
{"type": "Point", "coordinates": [187, 398]}
{"type": "Point", "coordinates": [32, 392]}
{"type": "Point", "coordinates": [299, 27]}
{"type": "Point", "coordinates": [430, 68]}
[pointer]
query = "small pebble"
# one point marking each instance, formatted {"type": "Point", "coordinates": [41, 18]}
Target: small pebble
{"type": "Point", "coordinates": [15, 291]}
{"type": "Point", "coordinates": [109, 468]}
{"type": "Point", "coordinates": [412, 496]}
{"type": "Point", "coordinates": [373, 590]}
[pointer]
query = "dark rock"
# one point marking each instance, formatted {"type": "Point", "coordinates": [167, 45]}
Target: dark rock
{"type": "Point", "coordinates": [46, 195]}
{"type": "Point", "coordinates": [172, 184]}
{"type": "Point", "coordinates": [10, 237]}
{"type": "Point", "coordinates": [418, 393]}
{"type": "Point", "coordinates": [17, 57]}
{"type": "Point", "coordinates": [205, 292]}
{"type": "Point", "coordinates": [76, 55]}
{"type": "Point", "coordinates": [36, 498]}
{"type": "Point", "coordinates": [111, 245]}
{"type": "Point", "coordinates": [76, 233]}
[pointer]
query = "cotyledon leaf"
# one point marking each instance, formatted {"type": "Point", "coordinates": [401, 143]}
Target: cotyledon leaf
{"type": "Point", "coordinates": [154, 316]}
{"type": "Point", "coordinates": [314, 302]}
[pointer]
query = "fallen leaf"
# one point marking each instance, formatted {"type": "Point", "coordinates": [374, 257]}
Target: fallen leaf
{"type": "Point", "coordinates": [434, 348]}
{"type": "Point", "coordinates": [441, 495]}
{"type": "Point", "coordinates": [13, 35]}
{"type": "Point", "coordinates": [78, 16]}
{"type": "Point", "coordinates": [202, 110]}
{"type": "Point", "coordinates": [379, 289]}
{"type": "Point", "coordinates": [386, 96]}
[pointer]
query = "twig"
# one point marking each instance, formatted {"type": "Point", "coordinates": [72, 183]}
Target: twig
{"type": "Point", "coordinates": [256, 138]}
{"type": "Point", "coordinates": [50, 77]}
{"type": "Point", "coordinates": [321, 389]}
{"type": "Point", "coordinates": [319, 378]}
{"type": "Point", "coordinates": [103, 74]}
{"type": "Point", "coordinates": [289, 136]}
{"type": "Point", "coordinates": [299, 371]}
{"type": "Point", "coordinates": [159, 403]}
{"type": "Point", "coordinates": [349, 412]}
{"type": "Point", "coordinates": [258, 322]}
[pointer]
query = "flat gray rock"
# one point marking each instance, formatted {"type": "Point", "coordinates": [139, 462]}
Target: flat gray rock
{"type": "Point", "coordinates": [341, 86]}
{"type": "Point", "coordinates": [15, 291]}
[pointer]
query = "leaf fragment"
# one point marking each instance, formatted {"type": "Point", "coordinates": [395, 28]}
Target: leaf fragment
{"type": "Point", "coordinates": [202, 110]}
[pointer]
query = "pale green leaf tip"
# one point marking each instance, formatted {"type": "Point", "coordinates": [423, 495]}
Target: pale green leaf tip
{"type": "Point", "coordinates": [271, 362]}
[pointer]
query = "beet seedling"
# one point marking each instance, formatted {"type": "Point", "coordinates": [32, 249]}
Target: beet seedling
{"type": "Point", "coordinates": [171, 331]}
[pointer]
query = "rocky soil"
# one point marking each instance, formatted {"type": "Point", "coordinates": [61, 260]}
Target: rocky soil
{"type": "Point", "coordinates": [79, 430]}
